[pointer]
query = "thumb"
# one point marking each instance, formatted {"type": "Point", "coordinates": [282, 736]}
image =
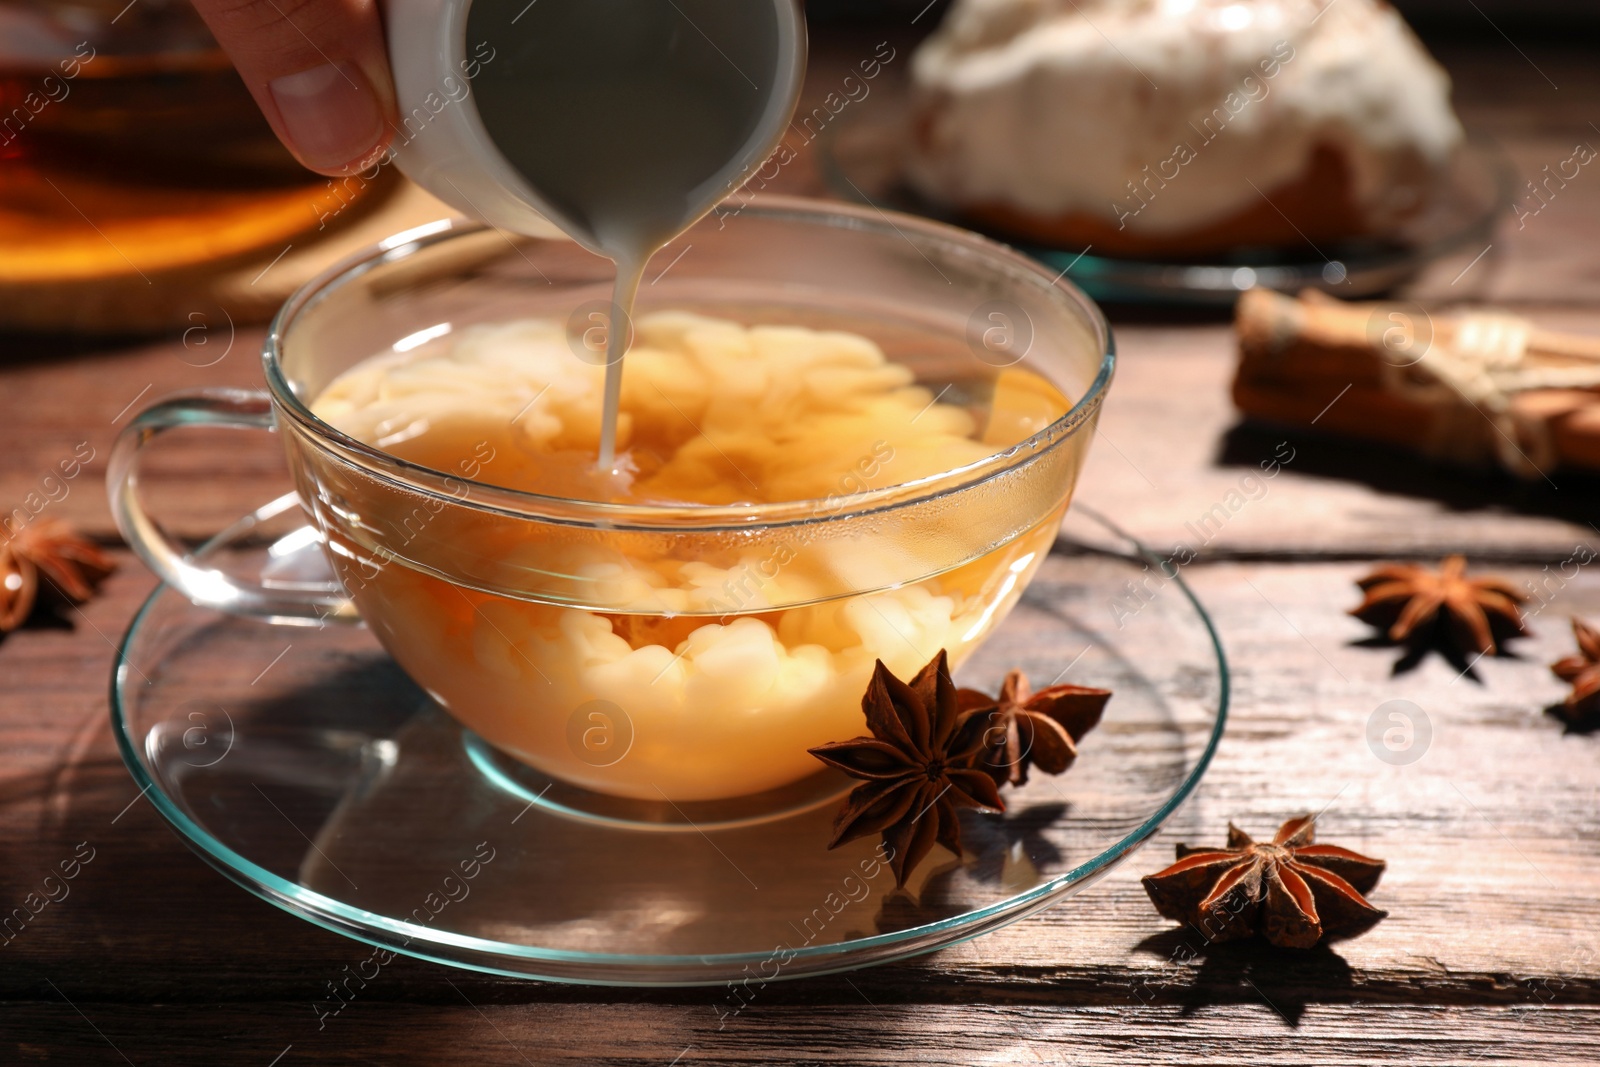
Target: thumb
{"type": "Point", "coordinates": [317, 69]}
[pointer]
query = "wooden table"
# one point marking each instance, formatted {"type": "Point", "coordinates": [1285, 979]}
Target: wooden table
{"type": "Point", "coordinates": [1492, 951]}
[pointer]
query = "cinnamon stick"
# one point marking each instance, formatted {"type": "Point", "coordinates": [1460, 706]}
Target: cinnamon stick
{"type": "Point", "coordinates": [1316, 361]}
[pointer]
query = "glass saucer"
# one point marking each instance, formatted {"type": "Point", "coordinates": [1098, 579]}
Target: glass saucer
{"type": "Point", "coordinates": [306, 767]}
{"type": "Point", "coordinates": [862, 158]}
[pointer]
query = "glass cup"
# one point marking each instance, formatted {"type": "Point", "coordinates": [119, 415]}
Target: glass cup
{"type": "Point", "coordinates": [663, 653]}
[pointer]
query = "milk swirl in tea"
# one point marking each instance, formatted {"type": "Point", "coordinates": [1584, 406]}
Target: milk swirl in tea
{"type": "Point", "coordinates": [728, 659]}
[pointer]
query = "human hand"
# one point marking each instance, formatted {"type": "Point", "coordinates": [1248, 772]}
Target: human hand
{"type": "Point", "coordinates": [319, 71]}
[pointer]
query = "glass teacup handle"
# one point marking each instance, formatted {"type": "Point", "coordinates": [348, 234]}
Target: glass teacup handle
{"type": "Point", "coordinates": [298, 604]}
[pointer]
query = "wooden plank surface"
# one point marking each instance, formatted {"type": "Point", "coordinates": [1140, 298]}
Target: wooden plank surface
{"type": "Point", "coordinates": [1493, 836]}
{"type": "Point", "coordinates": [968, 1035]}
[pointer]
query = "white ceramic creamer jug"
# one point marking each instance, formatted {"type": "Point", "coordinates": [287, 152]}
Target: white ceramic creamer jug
{"type": "Point", "coordinates": [619, 121]}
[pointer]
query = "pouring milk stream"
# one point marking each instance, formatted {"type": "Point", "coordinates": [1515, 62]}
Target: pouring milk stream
{"type": "Point", "coordinates": [622, 122]}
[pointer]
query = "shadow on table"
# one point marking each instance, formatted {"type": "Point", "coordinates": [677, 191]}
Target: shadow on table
{"type": "Point", "coordinates": [1288, 981]}
{"type": "Point", "coordinates": [1412, 654]}
{"type": "Point", "coordinates": [22, 349]}
{"type": "Point", "coordinates": [1566, 494]}
{"type": "Point", "coordinates": [1581, 727]}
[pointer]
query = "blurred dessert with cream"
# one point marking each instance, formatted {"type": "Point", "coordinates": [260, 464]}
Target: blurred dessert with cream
{"type": "Point", "coordinates": [1180, 127]}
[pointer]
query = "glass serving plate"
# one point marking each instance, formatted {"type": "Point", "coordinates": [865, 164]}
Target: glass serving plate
{"type": "Point", "coordinates": [307, 768]}
{"type": "Point", "coordinates": [862, 158]}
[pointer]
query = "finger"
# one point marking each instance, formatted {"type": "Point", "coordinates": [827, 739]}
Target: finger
{"type": "Point", "coordinates": [318, 70]}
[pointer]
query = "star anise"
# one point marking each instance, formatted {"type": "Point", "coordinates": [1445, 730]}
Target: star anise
{"type": "Point", "coordinates": [1411, 602]}
{"type": "Point", "coordinates": [46, 549]}
{"type": "Point", "coordinates": [1289, 890]}
{"type": "Point", "coordinates": [917, 768]}
{"type": "Point", "coordinates": [1582, 670]}
{"type": "Point", "coordinates": [1023, 729]}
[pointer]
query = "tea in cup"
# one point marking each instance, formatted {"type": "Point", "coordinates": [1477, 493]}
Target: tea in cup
{"type": "Point", "coordinates": [843, 438]}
